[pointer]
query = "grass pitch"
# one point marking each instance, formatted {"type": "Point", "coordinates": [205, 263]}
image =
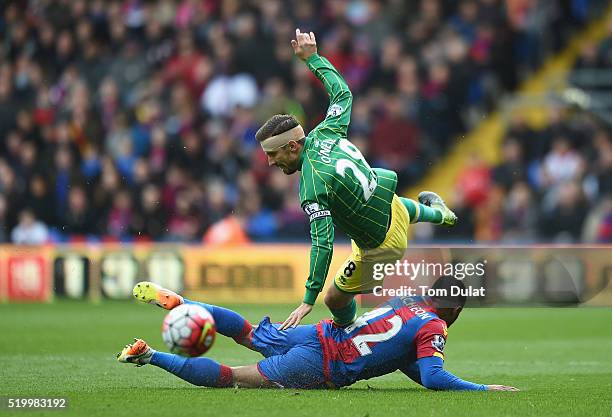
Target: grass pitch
{"type": "Point", "coordinates": [561, 359]}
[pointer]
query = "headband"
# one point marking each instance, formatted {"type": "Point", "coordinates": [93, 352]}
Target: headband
{"type": "Point", "coordinates": [275, 142]}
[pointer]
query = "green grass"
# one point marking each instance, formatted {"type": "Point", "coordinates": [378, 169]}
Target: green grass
{"type": "Point", "coordinates": [561, 359]}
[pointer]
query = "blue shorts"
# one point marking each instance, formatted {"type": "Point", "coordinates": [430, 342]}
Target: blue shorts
{"type": "Point", "coordinates": [294, 357]}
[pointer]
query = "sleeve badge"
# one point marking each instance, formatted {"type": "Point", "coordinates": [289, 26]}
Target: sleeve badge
{"type": "Point", "coordinates": [334, 110]}
{"type": "Point", "coordinates": [438, 342]}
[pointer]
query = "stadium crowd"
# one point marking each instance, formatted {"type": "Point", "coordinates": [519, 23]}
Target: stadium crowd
{"type": "Point", "coordinates": [552, 185]}
{"type": "Point", "coordinates": [135, 120]}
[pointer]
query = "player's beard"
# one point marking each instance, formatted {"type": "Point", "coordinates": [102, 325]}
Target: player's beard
{"type": "Point", "coordinates": [289, 171]}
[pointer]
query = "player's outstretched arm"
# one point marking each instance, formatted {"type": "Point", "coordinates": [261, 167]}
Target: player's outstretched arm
{"type": "Point", "coordinates": [429, 371]}
{"type": "Point", "coordinates": [338, 114]}
{"type": "Point", "coordinates": [501, 388]}
{"type": "Point", "coordinates": [321, 252]}
{"type": "Point", "coordinates": [315, 202]}
{"type": "Point", "coordinates": [434, 376]}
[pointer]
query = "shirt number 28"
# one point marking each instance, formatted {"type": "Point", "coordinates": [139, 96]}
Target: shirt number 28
{"type": "Point", "coordinates": [343, 164]}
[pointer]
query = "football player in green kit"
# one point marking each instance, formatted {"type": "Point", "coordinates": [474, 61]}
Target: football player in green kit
{"type": "Point", "coordinates": [338, 188]}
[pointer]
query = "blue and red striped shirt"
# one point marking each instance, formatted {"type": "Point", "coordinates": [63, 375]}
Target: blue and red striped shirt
{"type": "Point", "coordinates": [390, 337]}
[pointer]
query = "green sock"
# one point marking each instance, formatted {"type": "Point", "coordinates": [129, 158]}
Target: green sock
{"type": "Point", "coordinates": [345, 315]}
{"type": "Point", "coordinates": [421, 213]}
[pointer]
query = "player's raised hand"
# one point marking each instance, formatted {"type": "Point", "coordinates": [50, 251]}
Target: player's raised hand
{"type": "Point", "coordinates": [501, 388]}
{"type": "Point", "coordinates": [297, 316]}
{"type": "Point", "coordinates": [304, 44]}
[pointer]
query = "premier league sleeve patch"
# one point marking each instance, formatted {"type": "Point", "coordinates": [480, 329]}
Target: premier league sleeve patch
{"type": "Point", "coordinates": [315, 211]}
{"type": "Point", "coordinates": [438, 343]}
{"type": "Point", "coordinates": [334, 110]}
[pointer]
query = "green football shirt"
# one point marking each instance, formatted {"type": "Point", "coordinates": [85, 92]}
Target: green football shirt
{"type": "Point", "coordinates": [337, 186]}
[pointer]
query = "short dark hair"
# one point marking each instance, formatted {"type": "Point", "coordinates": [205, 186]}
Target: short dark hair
{"type": "Point", "coordinates": [275, 125]}
{"type": "Point", "coordinates": [447, 283]}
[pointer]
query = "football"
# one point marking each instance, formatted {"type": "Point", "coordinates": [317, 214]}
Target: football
{"type": "Point", "coordinates": [189, 330]}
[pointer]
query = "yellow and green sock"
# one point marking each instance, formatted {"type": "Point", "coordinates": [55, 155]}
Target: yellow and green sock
{"type": "Point", "coordinates": [421, 213]}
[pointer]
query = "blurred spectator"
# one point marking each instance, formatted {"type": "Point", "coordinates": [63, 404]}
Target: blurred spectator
{"type": "Point", "coordinates": [3, 222]}
{"type": "Point", "coordinates": [464, 22]}
{"type": "Point", "coordinates": [102, 197]}
{"type": "Point", "coordinates": [77, 220]}
{"type": "Point", "coordinates": [64, 175]}
{"type": "Point", "coordinates": [151, 219]}
{"type": "Point", "coordinates": [120, 215]}
{"type": "Point", "coordinates": [561, 164]}
{"type": "Point", "coordinates": [464, 230]}
{"type": "Point", "coordinates": [188, 65]}
{"type": "Point", "coordinates": [603, 163]}
{"type": "Point", "coordinates": [39, 199]}
{"type": "Point", "coordinates": [29, 230]}
{"type": "Point", "coordinates": [261, 223]}
{"type": "Point", "coordinates": [395, 142]}
{"type": "Point", "coordinates": [563, 223]}
{"type": "Point", "coordinates": [184, 223]}
{"type": "Point", "coordinates": [475, 182]}
{"type": "Point", "coordinates": [511, 170]}
{"type": "Point", "coordinates": [489, 216]}
{"type": "Point", "coordinates": [225, 93]}
{"type": "Point", "coordinates": [598, 224]}
{"type": "Point", "coordinates": [520, 215]}
{"type": "Point", "coordinates": [441, 105]}
{"type": "Point", "coordinates": [12, 190]}
{"type": "Point", "coordinates": [530, 143]}
{"type": "Point", "coordinates": [227, 232]}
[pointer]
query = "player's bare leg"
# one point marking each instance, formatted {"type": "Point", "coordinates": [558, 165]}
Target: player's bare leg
{"type": "Point", "coordinates": [250, 377]}
{"type": "Point", "coordinates": [342, 305]}
{"type": "Point", "coordinates": [334, 298]}
{"type": "Point", "coordinates": [198, 371]}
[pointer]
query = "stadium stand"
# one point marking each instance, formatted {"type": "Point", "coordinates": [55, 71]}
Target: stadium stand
{"type": "Point", "coordinates": [552, 180]}
{"type": "Point", "coordinates": [135, 120]}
